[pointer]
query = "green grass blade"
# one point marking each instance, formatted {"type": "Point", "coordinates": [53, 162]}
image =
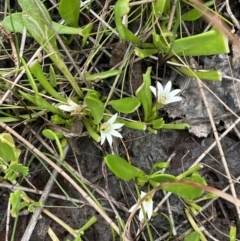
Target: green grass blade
{"type": "Point", "coordinates": [36, 24]}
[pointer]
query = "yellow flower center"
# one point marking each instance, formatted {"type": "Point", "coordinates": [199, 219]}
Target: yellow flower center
{"type": "Point", "coordinates": [104, 127]}
{"type": "Point", "coordinates": [76, 111]}
{"type": "Point", "coordinates": [148, 199]}
{"type": "Point", "coordinates": [163, 99]}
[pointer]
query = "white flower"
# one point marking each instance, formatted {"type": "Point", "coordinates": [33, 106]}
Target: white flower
{"type": "Point", "coordinates": [165, 96]}
{"type": "Point", "coordinates": [71, 107]}
{"type": "Point", "coordinates": [147, 206]}
{"type": "Point", "coordinates": [108, 129]}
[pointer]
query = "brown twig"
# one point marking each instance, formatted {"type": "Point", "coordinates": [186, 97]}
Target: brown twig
{"type": "Point", "coordinates": [216, 21]}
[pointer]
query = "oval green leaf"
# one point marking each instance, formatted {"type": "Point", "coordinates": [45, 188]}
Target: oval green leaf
{"type": "Point", "coordinates": [102, 75]}
{"type": "Point", "coordinates": [121, 168]}
{"type": "Point", "coordinates": [145, 95]}
{"type": "Point", "coordinates": [184, 190]}
{"type": "Point", "coordinates": [8, 150]}
{"type": "Point", "coordinates": [125, 105]}
{"type": "Point", "coordinates": [160, 178]}
{"type": "Point", "coordinates": [144, 53]}
{"type": "Point", "coordinates": [159, 8]}
{"type": "Point", "coordinates": [96, 107]}
{"type": "Point", "coordinates": [194, 14]}
{"type": "Point", "coordinates": [16, 25]}
{"type": "Point", "coordinates": [158, 123]}
{"type": "Point", "coordinates": [51, 135]}
{"type": "Point", "coordinates": [69, 11]}
{"type": "Point", "coordinates": [214, 42]}
{"type": "Point", "coordinates": [193, 236]}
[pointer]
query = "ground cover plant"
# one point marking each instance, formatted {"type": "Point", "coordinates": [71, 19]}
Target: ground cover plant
{"type": "Point", "coordinates": [119, 120]}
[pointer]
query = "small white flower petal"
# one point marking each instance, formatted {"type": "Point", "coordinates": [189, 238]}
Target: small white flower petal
{"type": "Point", "coordinates": [70, 107]}
{"type": "Point", "coordinates": [132, 208]}
{"type": "Point", "coordinates": [165, 95]}
{"type": "Point", "coordinates": [72, 104]}
{"type": "Point", "coordinates": [141, 215]}
{"type": "Point", "coordinates": [174, 92]}
{"type": "Point", "coordinates": [117, 126]}
{"type": "Point", "coordinates": [159, 88]}
{"type": "Point", "coordinates": [116, 133]}
{"type": "Point", "coordinates": [112, 119]}
{"type": "Point", "coordinates": [148, 206]}
{"type": "Point", "coordinates": [174, 99]}
{"type": "Point", "coordinates": [109, 139]}
{"type": "Point", "coordinates": [142, 194]}
{"type": "Point", "coordinates": [154, 90]}
{"type": "Point", "coordinates": [108, 129]}
{"type": "Point", "coordinates": [168, 87]}
{"type": "Point", "coordinates": [103, 137]}
{"type": "Point", "coordinates": [66, 108]}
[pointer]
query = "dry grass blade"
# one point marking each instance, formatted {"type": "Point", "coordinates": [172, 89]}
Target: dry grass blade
{"type": "Point", "coordinates": [224, 162]}
{"type": "Point", "coordinates": [216, 22]}
{"type": "Point", "coordinates": [63, 173]}
{"type": "Point", "coordinates": [209, 189]}
{"type": "Point", "coordinates": [33, 221]}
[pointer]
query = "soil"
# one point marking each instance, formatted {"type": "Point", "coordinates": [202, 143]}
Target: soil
{"type": "Point", "coordinates": [145, 150]}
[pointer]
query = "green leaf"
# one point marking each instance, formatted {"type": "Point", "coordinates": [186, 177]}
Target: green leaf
{"type": "Point", "coordinates": [19, 168]}
{"type": "Point", "coordinates": [155, 179]}
{"type": "Point", "coordinates": [158, 7]}
{"type": "Point", "coordinates": [36, 70]}
{"type": "Point", "coordinates": [160, 165]}
{"type": "Point", "coordinates": [90, 130]}
{"type": "Point", "coordinates": [214, 75]}
{"type": "Point", "coordinates": [30, 77]}
{"type": "Point", "coordinates": [121, 168]}
{"type": "Point", "coordinates": [88, 224]}
{"type": "Point", "coordinates": [32, 206]}
{"type": "Point", "coordinates": [144, 94]}
{"type": "Point", "coordinates": [144, 53]}
{"type": "Point", "coordinates": [17, 205]}
{"type": "Point", "coordinates": [180, 126]}
{"type": "Point", "coordinates": [26, 117]}
{"type": "Point", "coordinates": [136, 125]}
{"type": "Point", "coordinates": [193, 236]}
{"type": "Point", "coordinates": [158, 123]}
{"type": "Point", "coordinates": [54, 136]}
{"type": "Point", "coordinates": [213, 41]}
{"type": "Point", "coordinates": [195, 14]}
{"type": "Point", "coordinates": [96, 107]}
{"type": "Point", "coordinates": [232, 233]}
{"type": "Point", "coordinates": [186, 191]}
{"type": "Point", "coordinates": [52, 77]}
{"type": "Point", "coordinates": [160, 178]}
{"type": "Point", "coordinates": [125, 105]}
{"type": "Point", "coordinates": [69, 11]}
{"type": "Point", "coordinates": [43, 104]}
{"type": "Point", "coordinates": [160, 42]}
{"type": "Point", "coordinates": [60, 29]}
{"type": "Point", "coordinates": [37, 25]}
{"type": "Point", "coordinates": [8, 150]}
{"type": "Point", "coordinates": [14, 170]}
{"type": "Point", "coordinates": [15, 199]}
{"type": "Point", "coordinates": [15, 25]}
{"type": "Point", "coordinates": [102, 75]}
{"type": "Point", "coordinates": [85, 32]}
{"type": "Point", "coordinates": [51, 135]}
{"type": "Point", "coordinates": [122, 8]}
